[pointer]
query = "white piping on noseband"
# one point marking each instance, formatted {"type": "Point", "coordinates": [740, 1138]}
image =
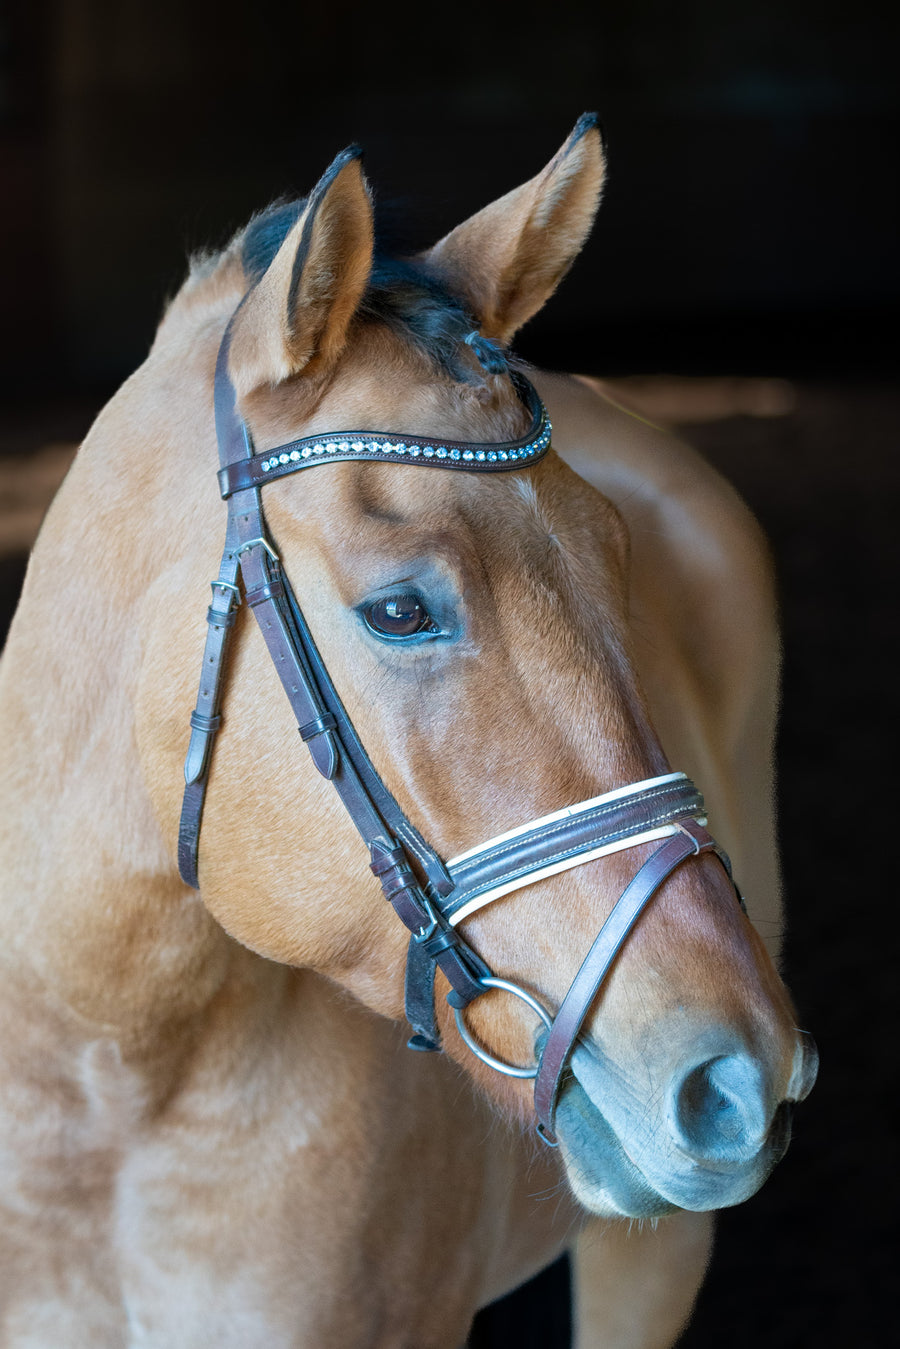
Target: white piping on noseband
{"type": "Point", "coordinates": [540, 873]}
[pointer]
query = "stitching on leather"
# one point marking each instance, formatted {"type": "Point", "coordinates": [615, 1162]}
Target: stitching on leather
{"type": "Point", "coordinates": [417, 846]}
{"type": "Point", "coordinates": [462, 896]}
{"type": "Point", "coordinates": [562, 826]}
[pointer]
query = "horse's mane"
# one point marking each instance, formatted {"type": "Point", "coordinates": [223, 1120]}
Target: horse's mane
{"type": "Point", "coordinates": [401, 293]}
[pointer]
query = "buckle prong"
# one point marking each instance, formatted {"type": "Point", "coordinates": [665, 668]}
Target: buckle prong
{"type": "Point", "coordinates": [264, 543]}
{"type": "Point", "coordinates": [425, 932]}
{"type": "Point", "coordinates": [226, 585]}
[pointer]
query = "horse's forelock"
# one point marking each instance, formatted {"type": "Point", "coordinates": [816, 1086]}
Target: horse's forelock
{"type": "Point", "coordinates": [266, 233]}
{"type": "Point", "coordinates": [400, 293]}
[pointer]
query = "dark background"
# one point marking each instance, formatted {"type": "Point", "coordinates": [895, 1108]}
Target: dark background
{"type": "Point", "coordinates": [749, 228]}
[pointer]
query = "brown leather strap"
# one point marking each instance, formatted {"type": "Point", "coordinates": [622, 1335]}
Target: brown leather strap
{"type": "Point", "coordinates": [544, 845]}
{"type": "Point", "coordinates": [689, 842]}
{"type": "Point", "coordinates": [206, 717]}
{"type": "Point", "coordinates": [388, 447]}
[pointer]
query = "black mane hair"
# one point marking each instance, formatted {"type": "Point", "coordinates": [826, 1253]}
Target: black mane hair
{"type": "Point", "coordinates": [400, 294]}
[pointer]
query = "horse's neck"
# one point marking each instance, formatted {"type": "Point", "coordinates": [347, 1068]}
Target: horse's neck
{"type": "Point", "coordinates": [90, 901]}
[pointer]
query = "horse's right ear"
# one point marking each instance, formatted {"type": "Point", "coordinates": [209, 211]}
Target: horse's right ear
{"type": "Point", "coordinates": [507, 260]}
{"type": "Point", "coordinates": [296, 316]}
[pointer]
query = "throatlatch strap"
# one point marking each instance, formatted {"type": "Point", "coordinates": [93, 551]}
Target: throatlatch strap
{"type": "Point", "coordinates": [206, 717]}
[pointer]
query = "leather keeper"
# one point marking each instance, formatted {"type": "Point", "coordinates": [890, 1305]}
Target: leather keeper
{"type": "Point", "coordinates": [460, 965]}
{"type": "Point", "coordinates": [399, 885]}
{"type": "Point", "coordinates": [270, 591]}
{"type": "Point", "coordinates": [395, 882]}
{"type": "Point", "coordinates": [384, 859]}
{"type": "Point", "coordinates": [443, 940]}
{"type": "Point", "coordinates": [207, 724]}
{"type": "Point", "coordinates": [463, 974]}
{"type": "Point", "coordinates": [326, 722]}
{"type": "Point", "coordinates": [217, 618]}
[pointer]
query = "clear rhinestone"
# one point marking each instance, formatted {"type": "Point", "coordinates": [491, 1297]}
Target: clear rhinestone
{"type": "Point", "coordinates": [428, 452]}
{"type": "Point", "coordinates": [305, 452]}
{"type": "Point", "coordinates": [467, 454]}
{"type": "Point", "coordinates": [400, 448]}
{"type": "Point", "coordinates": [479, 454]}
{"type": "Point", "coordinates": [357, 446]}
{"type": "Point", "coordinates": [373, 446]}
{"type": "Point", "coordinates": [295, 455]}
{"type": "Point", "coordinates": [503, 455]}
{"type": "Point", "coordinates": [331, 447]}
{"type": "Point", "coordinates": [344, 446]}
{"type": "Point", "coordinates": [414, 450]}
{"type": "Point", "coordinates": [442, 453]}
{"type": "Point", "coordinates": [283, 459]}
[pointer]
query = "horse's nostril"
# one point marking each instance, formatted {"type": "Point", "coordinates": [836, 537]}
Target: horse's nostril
{"type": "Point", "coordinates": [719, 1112]}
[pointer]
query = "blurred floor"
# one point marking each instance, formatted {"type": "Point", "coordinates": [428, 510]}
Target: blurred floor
{"type": "Point", "coordinates": [806, 1262]}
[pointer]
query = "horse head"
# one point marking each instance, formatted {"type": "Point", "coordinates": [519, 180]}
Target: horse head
{"type": "Point", "coordinates": [476, 627]}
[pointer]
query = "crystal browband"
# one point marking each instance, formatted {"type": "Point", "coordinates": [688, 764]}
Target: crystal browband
{"type": "Point", "coordinates": [389, 447]}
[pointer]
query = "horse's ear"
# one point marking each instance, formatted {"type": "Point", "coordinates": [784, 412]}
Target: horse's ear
{"type": "Point", "coordinates": [297, 314]}
{"type": "Point", "coordinates": [507, 260]}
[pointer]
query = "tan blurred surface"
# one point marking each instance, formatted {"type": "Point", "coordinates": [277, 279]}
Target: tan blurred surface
{"type": "Point", "coordinates": [27, 486]}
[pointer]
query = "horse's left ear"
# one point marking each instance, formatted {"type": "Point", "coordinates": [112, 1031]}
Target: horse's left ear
{"type": "Point", "coordinates": [296, 316]}
{"type": "Point", "coordinates": [507, 260]}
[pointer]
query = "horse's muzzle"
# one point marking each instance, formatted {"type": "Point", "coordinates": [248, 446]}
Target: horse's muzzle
{"type": "Point", "coordinates": [715, 1139]}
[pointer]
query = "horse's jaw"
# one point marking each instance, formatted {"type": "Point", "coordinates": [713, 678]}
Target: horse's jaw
{"type": "Point", "coordinates": [625, 1158]}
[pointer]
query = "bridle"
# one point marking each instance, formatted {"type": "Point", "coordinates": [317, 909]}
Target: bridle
{"type": "Point", "coordinates": [429, 895]}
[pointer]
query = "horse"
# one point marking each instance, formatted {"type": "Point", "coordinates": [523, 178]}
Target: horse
{"type": "Point", "coordinates": [213, 1129]}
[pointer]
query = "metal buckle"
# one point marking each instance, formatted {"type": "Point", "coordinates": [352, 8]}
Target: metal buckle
{"type": "Point", "coordinates": [425, 932]}
{"type": "Point", "coordinates": [497, 1064]}
{"type": "Point", "coordinates": [264, 543]}
{"type": "Point", "coordinates": [226, 585]}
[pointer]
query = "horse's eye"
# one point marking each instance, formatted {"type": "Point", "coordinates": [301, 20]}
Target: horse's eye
{"type": "Point", "coordinates": [399, 616]}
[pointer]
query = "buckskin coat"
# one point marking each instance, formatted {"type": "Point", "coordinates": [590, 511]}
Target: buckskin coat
{"type": "Point", "coordinates": [211, 1131]}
